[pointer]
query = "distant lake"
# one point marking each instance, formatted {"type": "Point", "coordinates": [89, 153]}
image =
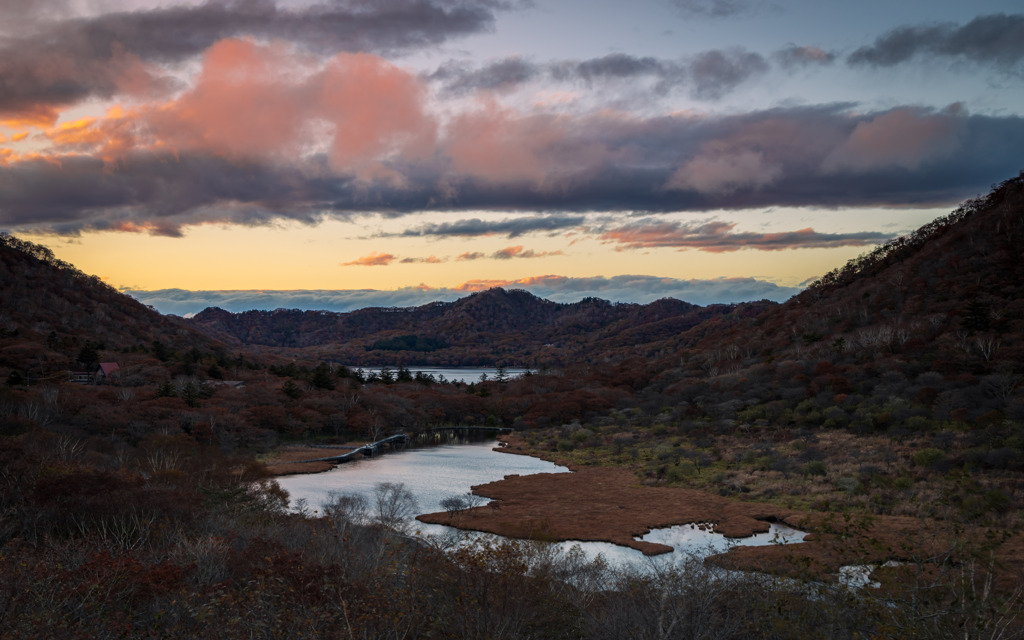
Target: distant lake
{"type": "Point", "coordinates": [451, 374]}
{"type": "Point", "coordinates": [434, 473]}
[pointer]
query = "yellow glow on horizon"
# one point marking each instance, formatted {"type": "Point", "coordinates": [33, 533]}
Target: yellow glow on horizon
{"type": "Point", "coordinates": [335, 254]}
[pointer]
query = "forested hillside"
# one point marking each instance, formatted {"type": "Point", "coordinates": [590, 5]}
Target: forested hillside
{"type": "Point", "coordinates": [489, 328]}
{"type": "Point", "coordinates": [54, 318]}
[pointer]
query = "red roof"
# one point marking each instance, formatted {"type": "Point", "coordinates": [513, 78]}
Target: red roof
{"type": "Point", "coordinates": [108, 368]}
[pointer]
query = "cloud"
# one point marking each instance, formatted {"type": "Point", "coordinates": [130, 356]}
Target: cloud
{"type": "Point", "coordinates": [626, 288]}
{"type": "Point", "coordinates": [375, 259]}
{"type": "Point", "coordinates": [519, 252]}
{"type": "Point", "coordinates": [794, 56]}
{"type": "Point", "coordinates": [712, 8]}
{"type": "Point", "coordinates": [503, 146]}
{"type": "Point", "coordinates": [500, 75]}
{"type": "Point", "coordinates": [510, 227]}
{"type": "Point", "coordinates": [471, 255]}
{"type": "Point", "coordinates": [996, 40]}
{"type": "Point", "coordinates": [709, 75]}
{"type": "Point", "coordinates": [427, 260]}
{"type": "Point", "coordinates": [260, 100]}
{"type": "Point", "coordinates": [903, 138]}
{"type": "Point", "coordinates": [719, 237]}
{"type": "Point", "coordinates": [620, 65]}
{"type": "Point", "coordinates": [63, 62]}
{"type": "Point", "coordinates": [496, 159]}
{"type": "Point", "coordinates": [715, 73]}
{"type": "Point", "coordinates": [725, 172]}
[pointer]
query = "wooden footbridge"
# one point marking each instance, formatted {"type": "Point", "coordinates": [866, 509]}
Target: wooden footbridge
{"type": "Point", "coordinates": [371, 449]}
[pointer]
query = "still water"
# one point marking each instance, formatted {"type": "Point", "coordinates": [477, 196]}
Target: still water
{"type": "Point", "coordinates": [435, 473]}
{"type": "Point", "coordinates": [452, 374]}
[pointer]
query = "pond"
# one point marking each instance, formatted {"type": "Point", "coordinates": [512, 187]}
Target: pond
{"type": "Point", "coordinates": [451, 374]}
{"type": "Point", "coordinates": [439, 472]}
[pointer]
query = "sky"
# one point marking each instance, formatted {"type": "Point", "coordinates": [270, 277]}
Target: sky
{"type": "Point", "coordinates": [339, 154]}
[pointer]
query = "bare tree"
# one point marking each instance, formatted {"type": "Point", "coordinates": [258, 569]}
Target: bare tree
{"type": "Point", "coordinates": [395, 505]}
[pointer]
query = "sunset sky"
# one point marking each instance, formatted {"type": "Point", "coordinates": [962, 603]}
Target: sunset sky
{"type": "Point", "coordinates": [346, 153]}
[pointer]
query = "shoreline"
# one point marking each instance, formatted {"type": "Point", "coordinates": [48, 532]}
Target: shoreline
{"type": "Point", "coordinates": [609, 504]}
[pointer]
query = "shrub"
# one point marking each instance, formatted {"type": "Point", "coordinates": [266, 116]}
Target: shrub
{"type": "Point", "coordinates": [928, 457]}
{"type": "Point", "coordinates": [815, 468]}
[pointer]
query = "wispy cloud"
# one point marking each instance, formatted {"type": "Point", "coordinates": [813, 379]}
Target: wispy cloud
{"type": "Point", "coordinates": [720, 237]}
{"type": "Point", "coordinates": [793, 56]}
{"type": "Point", "coordinates": [707, 75]}
{"type": "Point", "coordinates": [374, 259]}
{"type": "Point", "coordinates": [519, 252]}
{"type": "Point", "coordinates": [509, 227]}
{"type": "Point", "coordinates": [713, 8]}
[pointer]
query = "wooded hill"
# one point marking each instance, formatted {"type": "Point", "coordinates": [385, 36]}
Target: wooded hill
{"type": "Point", "coordinates": [935, 318]}
{"type": "Point", "coordinates": [51, 314]}
{"type": "Point", "coordinates": [497, 326]}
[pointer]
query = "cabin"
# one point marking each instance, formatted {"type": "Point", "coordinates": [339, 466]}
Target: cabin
{"type": "Point", "coordinates": [105, 371]}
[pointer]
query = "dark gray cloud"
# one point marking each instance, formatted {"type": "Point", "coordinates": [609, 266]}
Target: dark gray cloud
{"type": "Point", "coordinates": [66, 61]}
{"type": "Point", "coordinates": [503, 75]}
{"type": "Point", "coordinates": [619, 65]}
{"type": "Point", "coordinates": [996, 40]}
{"type": "Point", "coordinates": [716, 73]}
{"type": "Point", "coordinates": [159, 192]}
{"type": "Point", "coordinates": [627, 288]}
{"type": "Point", "coordinates": [712, 8]}
{"type": "Point", "coordinates": [709, 75]}
{"type": "Point", "coordinates": [825, 156]}
{"type": "Point", "coordinates": [509, 227]}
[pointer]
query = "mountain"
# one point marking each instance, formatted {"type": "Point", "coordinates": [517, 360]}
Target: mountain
{"type": "Point", "coordinates": [51, 314]}
{"type": "Point", "coordinates": [949, 294]}
{"type": "Point", "coordinates": [923, 331]}
{"type": "Point", "coordinates": [485, 328]}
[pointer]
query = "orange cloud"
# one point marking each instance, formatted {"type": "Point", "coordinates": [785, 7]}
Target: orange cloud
{"type": "Point", "coordinates": [18, 137]}
{"type": "Point", "coordinates": [470, 255]}
{"type": "Point", "coordinates": [38, 116]}
{"type": "Point", "coordinates": [429, 260]}
{"type": "Point", "coordinates": [904, 138]}
{"type": "Point", "coordinates": [494, 142]}
{"type": "Point", "coordinates": [376, 109]}
{"type": "Point", "coordinates": [518, 252]}
{"type": "Point", "coordinates": [483, 285]}
{"type": "Point", "coordinates": [266, 100]}
{"type": "Point", "coordinates": [79, 133]}
{"type": "Point", "coordinates": [375, 259]}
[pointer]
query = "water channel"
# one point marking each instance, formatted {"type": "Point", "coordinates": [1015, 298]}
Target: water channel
{"type": "Point", "coordinates": [438, 472]}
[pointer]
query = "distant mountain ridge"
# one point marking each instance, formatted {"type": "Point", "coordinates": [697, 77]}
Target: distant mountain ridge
{"type": "Point", "coordinates": [483, 328]}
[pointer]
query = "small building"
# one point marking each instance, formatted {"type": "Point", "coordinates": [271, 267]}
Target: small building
{"type": "Point", "coordinates": [105, 370]}
{"type": "Point", "coordinates": [81, 377]}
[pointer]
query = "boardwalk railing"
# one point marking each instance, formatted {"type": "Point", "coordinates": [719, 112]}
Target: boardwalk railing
{"type": "Point", "coordinates": [372, 448]}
